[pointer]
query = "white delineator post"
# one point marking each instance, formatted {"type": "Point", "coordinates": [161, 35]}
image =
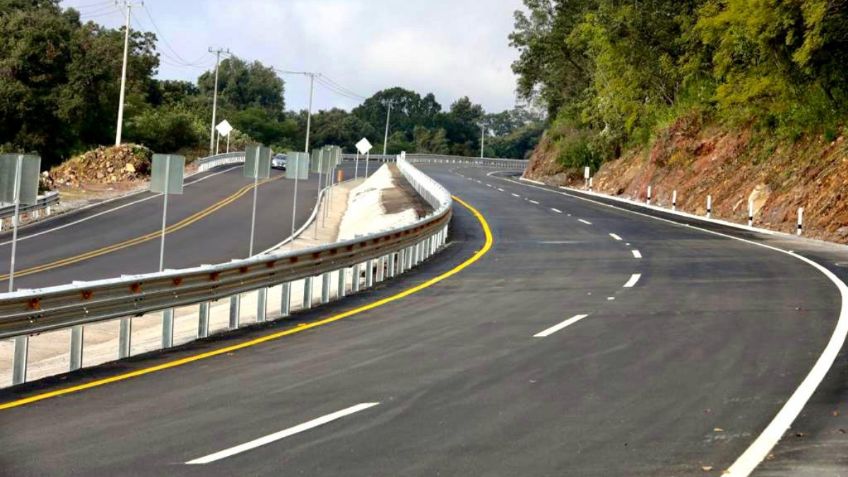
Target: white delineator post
{"type": "Point", "coordinates": [800, 220]}
{"type": "Point", "coordinates": [649, 195]}
{"type": "Point", "coordinates": [590, 184]}
{"type": "Point", "coordinates": [674, 200]}
{"type": "Point", "coordinates": [750, 212]}
{"type": "Point", "coordinates": [709, 206]}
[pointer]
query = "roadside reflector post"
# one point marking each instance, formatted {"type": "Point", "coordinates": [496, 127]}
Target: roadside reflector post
{"type": "Point", "coordinates": [674, 200]}
{"type": "Point", "coordinates": [649, 195]}
{"type": "Point", "coordinates": [750, 212]}
{"type": "Point", "coordinates": [800, 220]}
{"type": "Point", "coordinates": [709, 206]}
{"type": "Point", "coordinates": [587, 173]}
{"type": "Point", "coordinates": [590, 184]}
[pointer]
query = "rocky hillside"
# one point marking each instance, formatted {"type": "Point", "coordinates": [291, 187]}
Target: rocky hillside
{"type": "Point", "coordinates": [732, 166]}
{"type": "Point", "coordinates": [104, 166]}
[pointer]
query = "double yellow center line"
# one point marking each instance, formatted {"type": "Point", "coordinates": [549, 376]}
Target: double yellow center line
{"type": "Point", "coordinates": [138, 240]}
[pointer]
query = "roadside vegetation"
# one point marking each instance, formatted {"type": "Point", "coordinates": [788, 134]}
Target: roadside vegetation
{"type": "Point", "coordinates": [60, 80]}
{"type": "Point", "coordinates": [614, 75]}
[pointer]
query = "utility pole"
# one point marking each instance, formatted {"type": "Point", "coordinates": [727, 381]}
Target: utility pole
{"type": "Point", "coordinates": [215, 97]}
{"type": "Point", "coordinates": [128, 7]}
{"type": "Point", "coordinates": [386, 137]}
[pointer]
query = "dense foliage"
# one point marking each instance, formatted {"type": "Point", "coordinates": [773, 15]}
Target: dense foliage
{"type": "Point", "coordinates": [612, 72]}
{"type": "Point", "coordinates": [60, 80]}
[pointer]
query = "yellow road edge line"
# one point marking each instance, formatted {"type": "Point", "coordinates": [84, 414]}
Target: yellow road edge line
{"type": "Point", "coordinates": [280, 334]}
{"type": "Point", "coordinates": [141, 239]}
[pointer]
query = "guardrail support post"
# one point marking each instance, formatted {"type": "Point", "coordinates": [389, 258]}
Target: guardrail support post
{"type": "Point", "coordinates": [325, 288]}
{"type": "Point", "coordinates": [167, 328]}
{"type": "Point", "coordinates": [19, 363]}
{"type": "Point", "coordinates": [235, 311]}
{"type": "Point", "coordinates": [342, 283]}
{"type": "Point", "coordinates": [355, 279]}
{"type": "Point", "coordinates": [77, 334]}
{"type": "Point", "coordinates": [285, 299]}
{"type": "Point", "coordinates": [203, 320]}
{"type": "Point", "coordinates": [381, 269]}
{"type": "Point", "coordinates": [261, 305]}
{"type": "Point", "coordinates": [369, 275]}
{"type": "Point", "coordinates": [392, 265]}
{"type": "Point", "coordinates": [307, 293]}
{"type": "Point", "coordinates": [401, 261]}
{"type": "Point", "coordinates": [124, 338]}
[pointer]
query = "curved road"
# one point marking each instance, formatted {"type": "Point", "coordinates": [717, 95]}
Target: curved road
{"type": "Point", "coordinates": [588, 341]}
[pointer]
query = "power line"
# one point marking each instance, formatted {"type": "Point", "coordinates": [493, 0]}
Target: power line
{"type": "Point", "coordinates": [179, 57]}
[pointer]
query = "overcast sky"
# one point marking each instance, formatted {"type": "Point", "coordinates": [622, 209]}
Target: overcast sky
{"type": "Point", "coordinates": [452, 48]}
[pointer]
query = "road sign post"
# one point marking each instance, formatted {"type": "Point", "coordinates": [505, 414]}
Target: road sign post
{"type": "Point", "coordinates": [257, 165]}
{"type": "Point", "coordinates": [224, 129]}
{"type": "Point", "coordinates": [18, 185]}
{"type": "Point", "coordinates": [166, 178]}
{"type": "Point", "coordinates": [297, 168]}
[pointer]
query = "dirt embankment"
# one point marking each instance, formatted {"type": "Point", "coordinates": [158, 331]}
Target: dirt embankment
{"type": "Point", "coordinates": [732, 167]}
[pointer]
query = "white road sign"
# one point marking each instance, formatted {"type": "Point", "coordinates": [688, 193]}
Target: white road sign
{"type": "Point", "coordinates": [363, 146]}
{"type": "Point", "coordinates": [224, 128]}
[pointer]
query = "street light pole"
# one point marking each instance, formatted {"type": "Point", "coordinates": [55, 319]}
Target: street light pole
{"type": "Point", "coordinates": [215, 98]}
{"type": "Point", "coordinates": [309, 112]}
{"type": "Point", "coordinates": [386, 137]}
{"type": "Point", "coordinates": [482, 139]}
{"type": "Point", "coordinates": [128, 7]}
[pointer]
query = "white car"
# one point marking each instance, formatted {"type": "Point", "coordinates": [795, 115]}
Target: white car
{"type": "Point", "coordinates": [279, 162]}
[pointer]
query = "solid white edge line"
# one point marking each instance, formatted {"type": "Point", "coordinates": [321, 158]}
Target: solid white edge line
{"type": "Point", "coordinates": [765, 442]}
{"type": "Point", "coordinates": [633, 280]}
{"type": "Point", "coordinates": [584, 221]}
{"type": "Point", "coordinates": [616, 237]}
{"type": "Point", "coordinates": [636, 254]}
{"type": "Point", "coordinates": [555, 328]}
{"type": "Point", "coordinates": [281, 434]}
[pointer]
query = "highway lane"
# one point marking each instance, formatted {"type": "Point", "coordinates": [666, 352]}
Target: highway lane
{"type": "Point", "coordinates": [211, 223]}
{"type": "Point", "coordinates": [671, 376]}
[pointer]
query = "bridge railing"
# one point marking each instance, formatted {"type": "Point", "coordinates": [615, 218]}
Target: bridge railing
{"type": "Point", "coordinates": [366, 260]}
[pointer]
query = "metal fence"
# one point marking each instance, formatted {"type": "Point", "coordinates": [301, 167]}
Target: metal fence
{"type": "Point", "coordinates": [361, 261]}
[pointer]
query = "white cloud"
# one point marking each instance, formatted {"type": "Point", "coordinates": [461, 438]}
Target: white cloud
{"type": "Point", "coordinates": [452, 48]}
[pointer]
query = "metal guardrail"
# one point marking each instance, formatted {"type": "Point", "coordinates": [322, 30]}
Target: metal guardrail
{"type": "Point", "coordinates": [27, 312]}
{"type": "Point", "coordinates": [211, 162]}
{"type": "Point", "coordinates": [45, 204]}
{"type": "Point", "coordinates": [515, 164]}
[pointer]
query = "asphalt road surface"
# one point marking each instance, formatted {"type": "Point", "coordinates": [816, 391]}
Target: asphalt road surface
{"type": "Point", "coordinates": [210, 223]}
{"type": "Point", "coordinates": [588, 341]}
